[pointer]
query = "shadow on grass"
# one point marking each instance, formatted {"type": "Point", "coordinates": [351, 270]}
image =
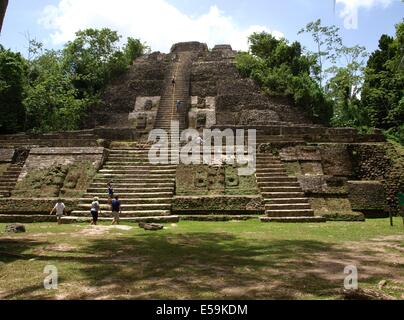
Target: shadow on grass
{"type": "Point", "coordinates": [209, 265]}
{"type": "Point", "coordinates": [13, 249]}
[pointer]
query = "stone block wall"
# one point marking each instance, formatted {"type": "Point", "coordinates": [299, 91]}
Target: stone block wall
{"type": "Point", "coordinates": [343, 179]}
{"type": "Point", "coordinates": [42, 158]}
{"type": "Point", "coordinates": [219, 190]}
{"type": "Point", "coordinates": [202, 113]}
{"type": "Point", "coordinates": [53, 172]}
{"type": "Point", "coordinates": [144, 115]}
{"type": "Point", "coordinates": [6, 155]}
{"type": "Point", "coordinates": [218, 205]}
{"type": "Point", "coordinates": [145, 78]}
{"type": "Point", "coordinates": [367, 196]}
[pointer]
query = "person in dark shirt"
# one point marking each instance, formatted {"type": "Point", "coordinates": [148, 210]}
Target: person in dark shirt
{"type": "Point", "coordinates": [110, 192]}
{"type": "Point", "coordinates": [116, 210]}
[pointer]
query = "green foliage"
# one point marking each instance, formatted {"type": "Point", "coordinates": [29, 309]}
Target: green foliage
{"type": "Point", "coordinates": [52, 90]}
{"type": "Point", "coordinates": [93, 59]}
{"type": "Point", "coordinates": [51, 103]}
{"type": "Point", "coordinates": [327, 41]}
{"type": "Point", "coordinates": [383, 91]}
{"type": "Point", "coordinates": [133, 49]}
{"type": "Point", "coordinates": [281, 68]}
{"type": "Point", "coordinates": [13, 70]}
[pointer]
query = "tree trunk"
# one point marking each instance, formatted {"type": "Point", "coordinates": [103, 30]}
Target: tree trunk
{"type": "Point", "coordinates": [3, 8]}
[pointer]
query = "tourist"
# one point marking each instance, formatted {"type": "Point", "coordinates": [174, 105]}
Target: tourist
{"type": "Point", "coordinates": [178, 106]}
{"type": "Point", "coordinates": [173, 82]}
{"type": "Point", "coordinates": [95, 211]}
{"type": "Point", "coordinates": [110, 192]}
{"type": "Point", "coordinates": [60, 209]}
{"type": "Point", "coordinates": [116, 210]}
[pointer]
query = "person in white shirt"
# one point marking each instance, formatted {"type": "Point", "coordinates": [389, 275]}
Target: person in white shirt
{"type": "Point", "coordinates": [59, 208]}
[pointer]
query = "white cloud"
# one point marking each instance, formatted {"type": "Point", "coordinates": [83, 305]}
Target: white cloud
{"type": "Point", "coordinates": [157, 22]}
{"type": "Point", "coordinates": [351, 7]}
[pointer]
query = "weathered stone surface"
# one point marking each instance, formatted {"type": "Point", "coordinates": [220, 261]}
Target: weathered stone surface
{"type": "Point", "coordinates": [300, 153]}
{"type": "Point", "coordinates": [336, 160]}
{"type": "Point", "coordinates": [228, 205]}
{"type": "Point", "coordinates": [335, 209]}
{"type": "Point", "coordinates": [367, 195]}
{"type": "Point", "coordinates": [324, 185]}
{"type": "Point", "coordinates": [43, 158]}
{"type": "Point", "coordinates": [213, 180]}
{"type": "Point", "coordinates": [15, 228]}
{"type": "Point", "coordinates": [32, 206]}
{"type": "Point", "coordinates": [10, 218]}
{"type": "Point", "coordinates": [6, 155]}
{"type": "Point", "coordinates": [202, 108]}
{"type": "Point", "coordinates": [151, 226]}
{"type": "Point", "coordinates": [144, 114]}
{"type": "Point", "coordinates": [189, 46]}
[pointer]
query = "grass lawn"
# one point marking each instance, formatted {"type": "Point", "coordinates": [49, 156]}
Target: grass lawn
{"type": "Point", "coordinates": [202, 260]}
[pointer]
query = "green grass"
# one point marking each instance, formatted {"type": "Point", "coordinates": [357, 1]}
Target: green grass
{"type": "Point", "coordinates": [200, 260]}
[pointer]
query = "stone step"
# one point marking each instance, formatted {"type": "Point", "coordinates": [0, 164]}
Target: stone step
{"type": "Point", "coordinates": [272, 175]}
{"type": "Point", "coordinates": [134, 185]}
{"type": "Point", "coordinates": [10, 175]}
{"type": "Point", "coordinates": [308, 219]}
{"type": "Point", "coordinates": [127, 213]}
{"type": "Point", "coordinates": [134, 171]}
{"type": "Point", "coordinates": [278, 184]}
{"type": "Point", "coordinates": [134, 189]}
{"type": "Point", "coordinates": [270, 170]}
{"type": "Point", "coordinates": [281, 189]}
{"type": "Point", "coordinates": [276, 179]}
{"type": "Point", "coordinates": [152, 200]}
{"type": "Point", "coordinates": [138, 168]}
{"type": "Point", "coordinates": [14, 218]}
{"type": "Point", "coordinates": [130, 207]}
{"type": "Point", "coordinates": [153, 219]}
{"type": "Point", "coordinates": [289, 206]}
{"type": "Point", "coordinates": [8, 184]}
{"type": "Point", "coordinates": [117, 176]}
{"type": "Point", "coordinates": [129, 195]}
{"type": "Point", "coordinates": [263, 168]}
{"type": "Point", "coordinates": [267, 163]}
{"type": "Point", "coordinates": [290, 213]}
{"type": "Point", "coordinates": [286, 201]}
{"type": "Point", "coordinates": [105, 180]}
{"type": "Point", "coordinates": [146, 164]}
{"type": "Point", "coordinates": [282, 195]}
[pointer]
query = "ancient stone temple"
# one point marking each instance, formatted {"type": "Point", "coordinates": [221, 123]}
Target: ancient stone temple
{"type": "Point", "coordinates": [304, 172]}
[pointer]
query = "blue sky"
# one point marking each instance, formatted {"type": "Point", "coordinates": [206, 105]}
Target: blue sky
{"type": "Point", "coordinates": [163, 22]}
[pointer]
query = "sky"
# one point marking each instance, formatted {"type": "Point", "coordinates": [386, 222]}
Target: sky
{"type": "Point", "coordinates": [160, 23]}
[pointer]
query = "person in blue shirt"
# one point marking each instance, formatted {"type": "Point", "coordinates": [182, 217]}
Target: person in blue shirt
{"type": "Point", "coordinates": [116, 210]}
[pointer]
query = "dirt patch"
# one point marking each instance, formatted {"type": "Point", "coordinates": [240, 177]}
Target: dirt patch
{"type": "Point", "coordinates": [60, 248]}
{"type": "Point", "coordinates": [100, 230]}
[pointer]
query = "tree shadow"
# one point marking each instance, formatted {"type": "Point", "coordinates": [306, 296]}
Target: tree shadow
{"type": "Point", "coordinates": [208, 266]}
{"type": "Point", "coordinates": [220, 266]}
{"type": "Point", "coordinates": [13, 249]}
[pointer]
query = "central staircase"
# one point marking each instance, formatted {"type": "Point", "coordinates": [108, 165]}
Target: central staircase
{"type": "Point", "coordinates": [167, 112]}
{"type": "Point", "coordinates": [283, 195]}
{"type": "Point", "coordinates": [145, 190]}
